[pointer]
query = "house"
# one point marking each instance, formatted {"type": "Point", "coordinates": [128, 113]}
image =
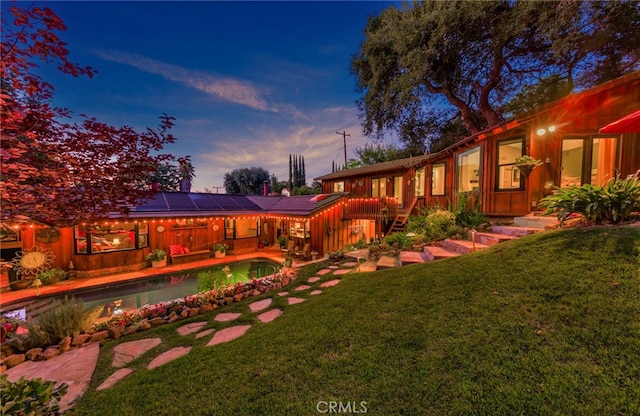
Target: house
{"type": "Point", "coordinates": [193, 220]}
{"type": "Point", "coordinates": [578, 139]}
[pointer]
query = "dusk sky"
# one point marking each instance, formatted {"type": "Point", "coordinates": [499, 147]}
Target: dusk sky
{"type": "Point", "coordinates": [248, 82]}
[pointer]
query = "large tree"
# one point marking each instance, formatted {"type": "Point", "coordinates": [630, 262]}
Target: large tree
{"type": "Point", "coordinates": [54, 171]}
{"type": "Point", "coordinates": [428, 62]}
{"type": "Point", "coordinates": [246, 181]}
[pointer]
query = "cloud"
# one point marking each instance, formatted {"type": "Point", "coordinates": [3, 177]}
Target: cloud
{"type": "Point", "coordinates": [225, 88]}
{"type": "Point", "coordinates": [268, 146]}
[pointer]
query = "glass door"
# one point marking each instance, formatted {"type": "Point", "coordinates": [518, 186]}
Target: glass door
{"type": "Point", "coordinates": [572, 161]}
{"type": "Point", "coordinates": [397, 190]}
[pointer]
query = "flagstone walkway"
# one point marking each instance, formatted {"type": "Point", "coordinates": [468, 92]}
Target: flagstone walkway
{"type": "Point", "coordinates": [76, 367]}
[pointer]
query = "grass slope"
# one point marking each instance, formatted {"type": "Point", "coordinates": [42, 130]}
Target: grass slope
{"type": "Point", "coordinates": [548, 324]}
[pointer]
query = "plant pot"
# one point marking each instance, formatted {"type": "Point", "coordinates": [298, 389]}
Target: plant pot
{"type": "Point", "coordinates": [288, 262]}
{"type": "Point", "coordinates": [20, 284]}
{"type": "Point", "coordinates": [314, 255]}
{"type": "Point", "coordinates": [526, 169]}
{"type": "Point", "coordinates": [159, 263]}
{"type": "Point", "coordinates": [218, 254]}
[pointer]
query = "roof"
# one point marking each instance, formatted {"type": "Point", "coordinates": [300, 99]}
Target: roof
{"type": "Point", "coordinates": [522, 119]}
{"type": "Point", "coordinates": [183, 204]}
{"type": "Point", "coordinates": [376, 168]}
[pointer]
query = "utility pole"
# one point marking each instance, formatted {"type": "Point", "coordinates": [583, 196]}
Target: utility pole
{"type": "Point", "coordinates": [344, 135]}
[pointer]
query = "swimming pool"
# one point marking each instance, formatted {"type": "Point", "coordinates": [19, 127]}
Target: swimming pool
{"type": "Point", "coordinates": [127, 296]}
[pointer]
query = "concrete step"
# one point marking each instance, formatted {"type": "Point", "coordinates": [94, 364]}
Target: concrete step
{"type": "Point", "coordinates": [535, 221]}
{"type": "Point", "coordinates": [432, 253]}
{"type": "Point", "coordinates": [491, 239]}
{"type": "Point", "coordinates": [514, 231]}
{"type": "Point", "coordinates": [388, 262]}
{"type": "Point", "coordinates": [463, 246]}
{"type": "Point", "coordinates": [409, 257]}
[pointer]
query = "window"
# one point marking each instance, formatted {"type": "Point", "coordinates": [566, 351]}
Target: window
{"type": "Point", "coordinates": [438, 179]}
{"type": "Point", "coordinates": [420, 181]}
{"type": "Point", "coordinates": [338, 187]}
{"type": "Point", "coordinates": [235, 229]}
{"type": "Point", "coordinates": [397, 190]}
{"type": "Point", "coordinates": [378, 187]}
{"type": "Point", "coordinates": [468, 170]}
{"type": "Point", "coordinates": [109, 238]}
{"type": "Point", "coordinates": [587, 160]}
{"type": "Point", "coordinates": [508, 176]}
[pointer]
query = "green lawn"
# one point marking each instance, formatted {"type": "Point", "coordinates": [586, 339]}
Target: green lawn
{"type": "Point", "coordinates": [548, 324]}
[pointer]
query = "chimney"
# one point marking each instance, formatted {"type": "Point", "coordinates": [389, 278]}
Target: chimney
{"type": "Point", "coordinates": [265, 188]}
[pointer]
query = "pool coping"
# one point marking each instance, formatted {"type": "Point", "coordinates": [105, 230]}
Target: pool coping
{"type": "Point", "coordinates": [10, 297]}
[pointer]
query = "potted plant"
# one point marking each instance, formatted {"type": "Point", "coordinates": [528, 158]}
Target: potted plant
{"type": "Point", "coordinates": [52, 276]}
{"type": "Point", "coordinates": [526, 164]}
{"type": "Point", "coordinates": [157, 257]}
{"type": "Point", "coordinates": [220, 250]}
{"type": "Point", "coordinates": [282, 241]}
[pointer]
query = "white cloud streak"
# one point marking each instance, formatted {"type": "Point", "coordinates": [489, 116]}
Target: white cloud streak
{"type": "Point", "coordinates": [224, 88]}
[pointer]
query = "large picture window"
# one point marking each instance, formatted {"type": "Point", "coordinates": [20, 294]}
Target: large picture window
{"type": "Point", "coordinates": [468, 170]}
{"type": "Point", "coordinates": [379, 187]}
{"type": "Point", "coordinates": [109, 238]}
{"type": "Point", "coordinates": [239, 228]}
{"type": "Point", "coordinates": [508, 176]}
{"type": "Point", "coordinates": [438, 179]}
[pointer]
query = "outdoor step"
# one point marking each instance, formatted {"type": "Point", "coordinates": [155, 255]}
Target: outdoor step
{"type": "Point", "coordinates": [432, 253]}
{"type": "Point", "coordinates": [388, 262]}
{"type": "Point", "coordinates": [409, 257]}
{"type": "Point", "coordinates": [463, 246]}
{"type": "Point", "coordinates": [536, 221]}
{"type": "Point", "coordinates": [491, 239]}
{"type": "Point", "coordinates": [514, 231]}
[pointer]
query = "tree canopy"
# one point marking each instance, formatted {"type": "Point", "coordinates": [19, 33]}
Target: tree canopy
{"type": "Point", "coordinates": [246, 181]}
{"type": "Point", "coordinates": [428, 62]}
{"type": "Point", "coordinates": [56, 172]}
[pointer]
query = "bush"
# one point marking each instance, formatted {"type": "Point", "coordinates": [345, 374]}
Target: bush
{"type": "Point", "coordinates": [32, 338]}
{"type": "Point", "coordinates": [433, 225]}
{"type": "Point", "coordinates": [398, 241]}
{"type": "Point", "coordinates": [210, 280]}
{"type": "Point", "coordinates": [68, 318]}
{"type": "Point", "coordinates": [618, 200]}
{"type": "Point", "coordinates": [31, 397]}
{"type": "Point", "coordinates": [52, 276]}
{"type": "Point", "coordinates": [466, 216]}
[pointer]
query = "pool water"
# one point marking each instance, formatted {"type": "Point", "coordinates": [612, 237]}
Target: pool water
{"type": "Point", "coordinates": [128, 296]}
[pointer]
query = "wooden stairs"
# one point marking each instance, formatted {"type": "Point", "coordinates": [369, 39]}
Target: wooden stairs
{"type": "Point", "coordinates": [400, 221]}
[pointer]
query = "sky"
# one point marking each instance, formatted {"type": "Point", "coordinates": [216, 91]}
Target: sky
{"type": "Point", "coordinates": [249, 83]}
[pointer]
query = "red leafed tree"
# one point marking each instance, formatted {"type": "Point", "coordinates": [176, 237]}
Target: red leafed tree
{"type": "Point", "coordinates": [54, 171]}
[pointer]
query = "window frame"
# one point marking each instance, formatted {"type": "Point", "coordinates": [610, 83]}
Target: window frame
{"type": "Point", "coordinates": [444, 178]}
{"type": "Point", "coordinates": [515, 173]}
{"type": "Point", "coordinates": [468, 152]}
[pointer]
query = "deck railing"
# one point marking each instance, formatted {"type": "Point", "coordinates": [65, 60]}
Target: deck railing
{"type": "Point", "coordinates": [382, 209]}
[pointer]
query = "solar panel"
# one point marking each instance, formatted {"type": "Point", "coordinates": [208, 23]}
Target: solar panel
{"type": "Point", "coordinates": [180, 202]}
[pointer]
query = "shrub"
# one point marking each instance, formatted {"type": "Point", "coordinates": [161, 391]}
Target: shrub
{"type": "Point", "coordinates": [68, 318]}
{"type": "Point", "coordinates": [465, 216]}
{"type": "Point", "coordinates": [433, 225]}
{"type": "Point", "coordinates": [32, 338]}
{"type": "Point", "coordinates": [52, 276]}
{"type": "Point", "coordinates": [618, 200]}
{"type": "Point", "coordinates": [31, 397]}
{"type": "Point", "coordinates": [210, 280]}
{"type": "Point", "coordinates": [398, 241]}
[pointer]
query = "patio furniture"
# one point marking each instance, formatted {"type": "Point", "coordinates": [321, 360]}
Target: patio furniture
{"type": "Point", "coordinates": [304, 253]}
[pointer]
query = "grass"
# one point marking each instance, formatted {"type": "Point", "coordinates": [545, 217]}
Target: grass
{"type": "Point", "coordinates": [548, 324]}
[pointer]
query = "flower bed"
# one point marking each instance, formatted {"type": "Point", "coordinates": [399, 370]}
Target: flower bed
{"type": "Point", "coordinates": [149, 316]}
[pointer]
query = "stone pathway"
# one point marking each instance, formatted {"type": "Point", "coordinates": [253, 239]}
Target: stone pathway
{"type": "Point", "coordinates": [76, 366]}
